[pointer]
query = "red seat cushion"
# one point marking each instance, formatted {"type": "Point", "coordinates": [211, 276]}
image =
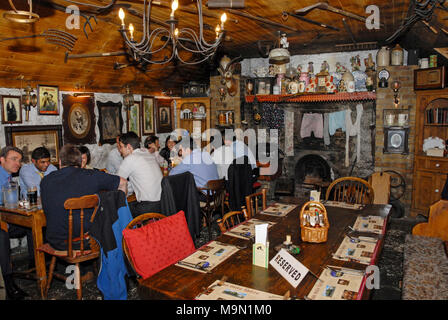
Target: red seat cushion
{"type": "Point", "coordinates": [157, 245]}
{"type": "Point", "coordinates": [256, 185]}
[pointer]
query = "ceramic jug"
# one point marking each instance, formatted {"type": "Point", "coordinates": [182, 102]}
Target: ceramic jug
{"type": "Point", "coordinates": [396, 56]}
{"type": "Point", "coordinates": [383, 57]}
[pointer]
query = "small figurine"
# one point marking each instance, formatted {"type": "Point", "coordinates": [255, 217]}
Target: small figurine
{"type": "Point", "coordinates": [299, 68]}
{"type": "Point", "coordinates": [356, 63]}
{"type": "Point", "coordinates": [284, 41]}
{"type": "Point", "coordinates": [340, 68]}
{"type": "Point", "coordinates": [310, 67]}
{"type": "Point", "coordinates": [325, 67]}
{"type": "Point", "coordinates": [341, 86]}
{"type": "Point", "coordinates": [370, 65]}
{"type": "Point", "coordinates": [271, 70]}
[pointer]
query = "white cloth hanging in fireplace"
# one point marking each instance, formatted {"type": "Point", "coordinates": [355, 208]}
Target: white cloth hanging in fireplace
{"type": "Point", "coordinates": [353, 129]}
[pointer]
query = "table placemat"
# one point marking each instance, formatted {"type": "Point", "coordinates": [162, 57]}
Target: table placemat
{"type": "Point", "coordinates": [337, 283]}
{"type": "Point", "coordinates": [230, 291]}
{"type": "Point", "coordinates": [212, 253]}
{"type": "Point", "coordinates": [374, 224]}
{"type": "Point", "coordinates": [278, 209]}
{"type": "Point", "coordinates": [344, 205]}
{"type": "Point", "coordinates": [357, 249]}
{"type": "Point", "coordinates": [246, 229]}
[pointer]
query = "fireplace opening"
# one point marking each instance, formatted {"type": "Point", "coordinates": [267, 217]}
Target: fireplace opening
{"type": "Point", "coordinates": [312, 172]}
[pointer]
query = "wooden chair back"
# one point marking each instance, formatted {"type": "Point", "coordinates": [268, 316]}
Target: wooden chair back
{"type": "Point", "coordinates": [81, 203]}
{"type": "Point", "coordinates": [437, 225]}
{"type": "Point", "coordinates": [231, 219]}
{"type": "Point", "coordinates": [138, 222]}
{"type": "Point", "coordinates": [216, 192]}
{"type": "Point", "coordinates": [351, 190]}
{"type": "Point", "coordinates": [253, 202]}
{"type": "Point", "coordinates": [380, 182]}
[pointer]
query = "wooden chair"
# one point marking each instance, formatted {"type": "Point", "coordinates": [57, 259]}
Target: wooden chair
{"type": "Point", "coordinates": [253, 202]}
{"type": "Point", "coordinates": [138, 222]}
{"type": "Point", "coordinates": [351, 190]}
{"type": "Point", "coordinates": [215, 197]}
{"type": "Point", "coordinates": [437, 224]}
{"type": "Point", "coordinates": [380, 182]}
{"type": "Point", "coordinates": [232, 219]}
{"type": "Point", "coordinates": [75, 256]}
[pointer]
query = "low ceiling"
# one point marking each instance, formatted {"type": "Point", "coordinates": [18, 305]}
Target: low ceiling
{"type": "Point", "coordinates": [250, 32]}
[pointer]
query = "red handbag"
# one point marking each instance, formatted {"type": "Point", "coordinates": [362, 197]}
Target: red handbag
{"type": "Point", "coordinates": [157, 245]}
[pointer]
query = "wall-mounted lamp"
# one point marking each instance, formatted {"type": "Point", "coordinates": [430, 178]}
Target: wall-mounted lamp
{"type": "Point", "coordinates": [396, 85]}
{"type": "Point", "coordinates": [28, 100]}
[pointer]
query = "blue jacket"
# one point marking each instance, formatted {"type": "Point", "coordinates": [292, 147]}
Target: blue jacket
{"type": "Point", "coordinates": [112, 217]}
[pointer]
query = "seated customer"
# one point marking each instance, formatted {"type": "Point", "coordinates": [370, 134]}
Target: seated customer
{"type": "Point", "coordinates": [70, 181]}
{"type": "Point", "coordinates": [31, 174]}
{"type": "Point", "coordinates": [85, 154]}
{"type": "Point", "coordinates": [169, 150]}
{"type": "Point", "coordinates": [198, 162]}
{"type": "Point", "coordinates": [152, 144]}
{"type": "Point", "coordinates": [114, 160]}
{"type": "Point", "coordinates": [143, 172]}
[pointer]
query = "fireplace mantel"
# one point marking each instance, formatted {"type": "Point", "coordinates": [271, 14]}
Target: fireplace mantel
{"type": "Point", "coordinates": [314, 97]}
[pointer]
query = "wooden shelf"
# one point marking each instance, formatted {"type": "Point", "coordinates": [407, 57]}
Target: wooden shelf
{"type": "Point", "coordinates": [314, 97]}
{"type": "Point", "coordinates": [436, 124]}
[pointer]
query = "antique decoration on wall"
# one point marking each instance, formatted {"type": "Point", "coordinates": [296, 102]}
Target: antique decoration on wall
{"type": "Point", "coordinates": [11, 111]}
{"type": "Point", "coordinates": [110, 121]}
{"type": "Point", "coordinates": [133, 118]}
{"type": "Point", "coordinates": [164, 115]}
{"type": "Point", "coordinates": [148, 115]}
{"type": "Point", "coordinates": [28, 138]}
{"type": "Point", "coordinates": [78, 119]}
{"type": "Point", "coordinates": [48, 101]}
{"type": "Point", "coordinates": [193, 89]}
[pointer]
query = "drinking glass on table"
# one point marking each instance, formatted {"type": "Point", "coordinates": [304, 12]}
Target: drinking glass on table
{"type": "Point", "coordinates": [32, 196]}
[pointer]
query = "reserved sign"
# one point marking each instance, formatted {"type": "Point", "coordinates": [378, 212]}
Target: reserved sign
{"type": "Point", "coordinates": [289, 267]}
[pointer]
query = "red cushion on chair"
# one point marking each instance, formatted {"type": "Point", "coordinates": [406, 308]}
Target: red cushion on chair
{"type": "Point", "coordinates": [256, 185]}
{"type": "Point", "coordinates": [159, 244]}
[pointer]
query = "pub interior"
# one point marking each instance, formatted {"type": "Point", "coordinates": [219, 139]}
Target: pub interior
{"type": "Point", "coordinates": [223, 150]}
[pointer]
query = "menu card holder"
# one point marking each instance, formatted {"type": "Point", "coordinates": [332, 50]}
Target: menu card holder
{"type": "Point", "coordinates": [260, 254]}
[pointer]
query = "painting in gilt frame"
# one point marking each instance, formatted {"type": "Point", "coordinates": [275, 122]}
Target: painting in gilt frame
{"type": "Point", "coordinates": [48, 100]}
{"type": "Point", "coordinates": [110, 121]}
{"type": "Point", "coordinates": [78, 119]}
{"type": "Point", "coordinates": [28, 138]}
{"type": "Point", "coordinates": [164, 115]}
{"type": "Point", "coordinates": [148, 115]}
{"type": "Point", "coordinates": [11, 109]}
{"type": "Point", "coordinates": [133, 121]}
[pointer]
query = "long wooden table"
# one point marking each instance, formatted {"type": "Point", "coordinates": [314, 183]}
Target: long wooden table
{"type": "Point", "coordinates": [179, 283]}
{"type": "Point", "coordinates": [36, 221]}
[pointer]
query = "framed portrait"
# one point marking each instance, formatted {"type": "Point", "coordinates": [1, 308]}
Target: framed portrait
{"type": "Point", "coordinates": [48, 100]}
{"type": "Point", "coordinates": [133, 121]}
{"type": "Point", "coordinates": [78, 119]}
{"type": "Point", "coordinates": [110, 121]}
{"type": "Point", "coordinates": [164, 115]}
{"type": "Point", "coordinates": [148, 115]}
{"type": "Point", "coordinates": [28, 138]}
{"type": "Point", "coordinates": [11, 109]}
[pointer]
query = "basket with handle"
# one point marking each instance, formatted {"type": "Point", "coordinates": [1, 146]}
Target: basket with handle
{"type": "Point", "coordinates": [316, 234]}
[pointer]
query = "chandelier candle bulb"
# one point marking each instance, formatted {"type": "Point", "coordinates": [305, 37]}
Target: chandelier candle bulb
{"type": "Point", "coordinates": [121, 16]}
{"type": "Point", "coordinates": [131, 31]}
{"type": "Point", "coordinates": [223, 20]}
{"type": "Point", "coordinates": [174, 6]}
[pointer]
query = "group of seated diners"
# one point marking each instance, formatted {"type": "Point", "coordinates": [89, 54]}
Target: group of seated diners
{"type": "Point", "coordinates": [131, 168]}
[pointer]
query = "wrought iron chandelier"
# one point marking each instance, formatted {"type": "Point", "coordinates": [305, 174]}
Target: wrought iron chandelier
{"type": "Point", "coordinates": [174, 39]}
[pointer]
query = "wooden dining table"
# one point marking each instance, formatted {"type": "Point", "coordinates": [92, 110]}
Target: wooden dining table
{"type": "Point", "coordinates": [34, 219]}
{"type": "Point", "coordinates": [179, 283]}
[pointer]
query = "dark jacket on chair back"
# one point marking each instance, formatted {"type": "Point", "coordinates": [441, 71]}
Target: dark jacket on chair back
{"type": "Point", "coordinates": [239, 183]}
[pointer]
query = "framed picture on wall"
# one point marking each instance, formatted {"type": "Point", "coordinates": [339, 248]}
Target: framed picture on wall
{"type": "Point", "coordinates": [28, 138]}
{"type": "Point", "coordinates": [11, 109]}
{"type": "Point", "coordinates": [78, 119]}
{"type": "Point", "coordinates": [164, 115]}
{"type": "Point", "coordinates": [148, 115]}
{"type": "Point", "coordinates": [133, 119]}
{"type": "Point", "coordinates": [48, 100]}
{"type": "Point", "coordinates": [110, 121]}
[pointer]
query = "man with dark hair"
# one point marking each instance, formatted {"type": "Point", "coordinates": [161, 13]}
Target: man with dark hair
{"type": "Point", "coordinates": [198, 162]}
{"type": "Point", "coordinates": [32, 173]}
{"type": "Point", "coordinates": [71, 181]}
{"type": "Point", "coordinates": [143, 172]}
{"type": "Point", "coordinates": [85, 154]}
{"type": "Point", "coordinates": [10, 162]}
{"type": "Point", "coordinates": [152, 144]}
{"type": "Point", "coordinates": [114, 159]}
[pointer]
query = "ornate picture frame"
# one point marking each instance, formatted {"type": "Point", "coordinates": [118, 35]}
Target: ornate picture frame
{"type": "Point", "coordinates": [11, 109]}
{"type": "Point", "coordinates": [148, 123]}
{"type": "Point", "coordinates": [48, 100]}
{"type": "Point", "coordinates": [78, 119]}
{"type": "Point", "coordinates": [134, 118]}
{"type": "Point", "coordinates": [164, 115]}
{"type": "Point", "coordinates": [27, 138]}
{"type": "Point", "coordinates": [110, 121]}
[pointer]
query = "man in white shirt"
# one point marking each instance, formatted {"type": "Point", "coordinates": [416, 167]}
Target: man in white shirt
{"type": "Point", "coordinates": [144, 174]}
{"type": "Point", "coordinates": [114, 160]}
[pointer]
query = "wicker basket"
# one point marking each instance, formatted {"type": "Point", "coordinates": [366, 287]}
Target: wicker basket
{"type": "Point", "coordinates": [314, 234]}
